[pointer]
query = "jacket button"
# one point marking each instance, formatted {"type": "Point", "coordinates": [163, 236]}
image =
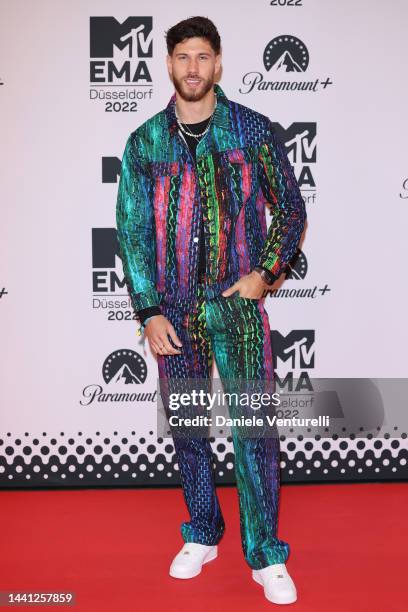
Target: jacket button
{"type": "Point", "coordinates": [195, 239]}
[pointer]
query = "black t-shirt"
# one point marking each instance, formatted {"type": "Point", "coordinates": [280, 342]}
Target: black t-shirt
{"type": "Point", "coordinates": [197, 128]}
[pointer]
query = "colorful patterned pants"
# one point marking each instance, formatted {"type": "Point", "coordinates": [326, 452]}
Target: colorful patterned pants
{"type": "Point", "coordinates": [236, 332]}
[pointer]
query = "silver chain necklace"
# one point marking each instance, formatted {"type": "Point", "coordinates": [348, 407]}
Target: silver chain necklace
{"type": "Point", "coordinates": [185, 131]}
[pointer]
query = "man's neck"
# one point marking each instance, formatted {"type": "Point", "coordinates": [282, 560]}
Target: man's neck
{"type": "Point", "coordinates": [194, 112]}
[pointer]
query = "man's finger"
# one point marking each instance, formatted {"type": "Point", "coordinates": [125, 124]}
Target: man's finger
{"type": "Point", "coordinates": [230, 290]}
{"type": "Point", "coordinates": [160, 350]}
{"type": "Point", "coordinates": [155, 347]}
{"type": "Point", "coordinates": [172, 333]}
{"type": "Point", "coordinates": [164, 342]}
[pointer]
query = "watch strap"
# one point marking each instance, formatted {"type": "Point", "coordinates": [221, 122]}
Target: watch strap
{"type": "Point", "coordinates": [266, 275]}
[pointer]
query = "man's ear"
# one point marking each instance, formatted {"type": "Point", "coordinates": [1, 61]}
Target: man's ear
{"type": "Point", "coordinates": [218, 60]}
{"type": "Point", "coordinates": [169, 64]}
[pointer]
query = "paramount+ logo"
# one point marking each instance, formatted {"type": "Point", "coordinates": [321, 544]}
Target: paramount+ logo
{"type": "Point", "coordinates": [286, 59]}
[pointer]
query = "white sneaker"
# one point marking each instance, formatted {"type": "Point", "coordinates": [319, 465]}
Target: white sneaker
{"type": "Point", "coordinates": [278, 586]}
{"type": "Point", "coordinates": [189, 561]}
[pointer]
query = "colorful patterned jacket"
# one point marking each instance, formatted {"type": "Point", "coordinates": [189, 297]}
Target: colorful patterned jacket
{"type": "Point", "coordinates": [241, 168]}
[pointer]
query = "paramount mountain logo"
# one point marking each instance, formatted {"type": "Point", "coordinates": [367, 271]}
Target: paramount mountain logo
{"type": "Point", "coordinates": [124, 366]}
{"type": "Point", "coordinates": [120, 370]}
{"type": "Point", "coordinates": [126, 376]}
{"type": "Point", "coordinates": [283, 55]}
{"type": "Point", "coordinates": [286, 54]}
{"type": "Point", "coordinates": [286, 63]}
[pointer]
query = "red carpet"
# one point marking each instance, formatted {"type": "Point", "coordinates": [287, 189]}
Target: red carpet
{"type": "Point", "coordinates": [113, 548]}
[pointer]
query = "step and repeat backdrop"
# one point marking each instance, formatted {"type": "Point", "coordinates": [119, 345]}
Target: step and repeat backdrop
{"type": "Point", "coordinates": [78, 387]}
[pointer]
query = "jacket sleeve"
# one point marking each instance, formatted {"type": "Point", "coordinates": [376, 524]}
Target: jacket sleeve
{"type": "Point", "coordinates": [136, 229]}
{"type": "Point", "coordinates": [281, 191]}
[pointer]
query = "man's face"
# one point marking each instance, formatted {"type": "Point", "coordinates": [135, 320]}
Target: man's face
{"type": "Point", "coordinates": [192, 68]}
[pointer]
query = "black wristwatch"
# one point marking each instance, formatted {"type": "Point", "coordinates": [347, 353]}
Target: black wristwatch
{"type": "Point", "coordinates": [266, 276]}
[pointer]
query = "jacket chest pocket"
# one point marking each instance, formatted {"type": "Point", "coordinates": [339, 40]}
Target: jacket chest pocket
{"type": "Point", "coordinates": [167, 178]}
{"type": "Point", "coordinates": [241, 181]}
{"type": "Point", "coordinates": [234, 180]}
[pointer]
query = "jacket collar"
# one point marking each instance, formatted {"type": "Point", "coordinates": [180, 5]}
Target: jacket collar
{"type": "Point", "coordinates": [221, 117]}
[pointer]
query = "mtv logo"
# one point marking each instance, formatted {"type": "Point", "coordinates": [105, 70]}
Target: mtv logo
{"type": "Point", "coordinates": [132, 38]}
{"type": "Point", "coordinates": [294, 351]}
{"type": "Point", "coordinates": [111, 167]}
{"type": "Point", "coordinates": [105, 247]}
{"type": "Point", "coordinates": [300, 141]}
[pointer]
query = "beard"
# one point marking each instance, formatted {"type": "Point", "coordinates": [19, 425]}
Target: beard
{"type": "Point", "coordinates": [192, 96]}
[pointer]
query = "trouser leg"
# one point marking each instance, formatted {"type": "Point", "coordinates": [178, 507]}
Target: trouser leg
{"type": "Point", "coordinates": [194, 455]}
{"type": "Point", "coordinates": [242, 348]}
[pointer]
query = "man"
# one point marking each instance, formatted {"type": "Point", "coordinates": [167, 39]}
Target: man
{"type": "Point", "coordinates": [198, 257]}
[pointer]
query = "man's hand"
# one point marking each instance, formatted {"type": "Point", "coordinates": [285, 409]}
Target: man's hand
{"type": "Point", "coordinates": [156, 331]}
{"type": "Point", "coordinates": [249, 286]}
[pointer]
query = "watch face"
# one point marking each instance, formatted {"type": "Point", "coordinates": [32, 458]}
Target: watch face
{"type": "Point", "coordinates": [267, 277]}
{"type": "Point", "coordinates": [263, 274]}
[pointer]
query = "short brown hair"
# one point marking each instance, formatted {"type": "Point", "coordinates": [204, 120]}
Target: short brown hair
{"type": "Point", "coordinates": [200, 27]}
